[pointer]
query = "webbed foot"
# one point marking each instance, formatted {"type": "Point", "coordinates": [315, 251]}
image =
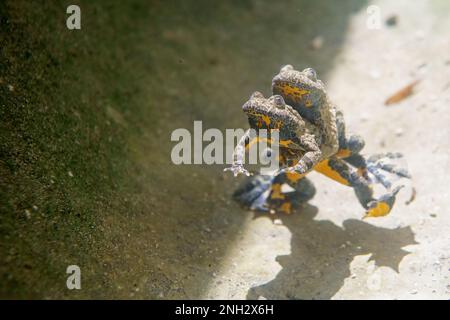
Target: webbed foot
{"type": "Point", "coordinates": [379, 164]}
{"type": "Point", "coordinates": [253, 192]}
{"type": "Point", "coordinates": [287, 202]}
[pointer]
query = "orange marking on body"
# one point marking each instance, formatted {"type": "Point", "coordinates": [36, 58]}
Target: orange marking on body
{"type": "Point", "coordinates": [324, 168]}
{"type": "Point", "coordinates": [286, 208]}
{"type": "Point", "coordinates": [294, 92]}
{"type": "Point", "coordinates": [343, 153]}
{"type": "Point", "coordinates": [255, 140]}
{"type": "Point", "coordinates": [266, 119]}
{"type": "Point", "coordinates": [285, 143]}
{"type": "Point", "coordinates": [251, 142]}
{"type": "Point", "coordinates": [294, 177]}
{"type": "Point", "coordinates": [276, 192]}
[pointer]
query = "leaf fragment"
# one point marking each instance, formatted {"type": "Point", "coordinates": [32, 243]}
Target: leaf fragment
{"type": "Point", "coordinates": [402, 93]}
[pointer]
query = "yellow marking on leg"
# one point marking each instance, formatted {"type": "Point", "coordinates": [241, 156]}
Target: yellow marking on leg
{"type": "Point", "coordinates": [343, 153]}
{"type": "Point", "coordinates": [276, 192]}
{"type": "Point", "coordinates": [285, 143]}
{"type": "Point", "coordinates": [324, 168]}
{"type": "Point", "coordinates": [294, 177]}
{"type": "Point", "coordinates": [286, 208]}
{"type": "Point", "coordinates": [251, 142]}
{"type": "Point", "coordinates": [255, 140]}
{"type": "Point", "coordinates": [380, 210]}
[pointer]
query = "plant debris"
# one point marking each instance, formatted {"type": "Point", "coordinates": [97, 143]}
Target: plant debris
{"type": "Point", "coordinates": [413, 196]}
{"type": "Point", "coordinates": [402, 93]}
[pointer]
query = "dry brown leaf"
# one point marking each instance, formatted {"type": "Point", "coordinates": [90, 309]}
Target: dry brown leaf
{"type": "Point", "coordinates": [401, 94]}
{"type": "Point", "coordinates": [413, 196]}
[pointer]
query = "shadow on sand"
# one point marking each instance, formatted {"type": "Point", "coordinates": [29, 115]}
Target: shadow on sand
{"type": "Point", "coordinates": [315, 271]}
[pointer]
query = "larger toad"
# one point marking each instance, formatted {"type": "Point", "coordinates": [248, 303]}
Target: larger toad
{"type": "Point", "coordinates": [312, 137]}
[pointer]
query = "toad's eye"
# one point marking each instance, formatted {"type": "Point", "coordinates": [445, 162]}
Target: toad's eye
{"type": "Point", "coordinates": [310, 73]}
{"type": "Point", "coordinates": [279, 102]}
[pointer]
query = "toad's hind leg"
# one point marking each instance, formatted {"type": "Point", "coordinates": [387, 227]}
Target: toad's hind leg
{"type": "Point", "coordinates": [253, 192]}
{"type": "Point", "coordinates": [349, 152]}
{"type": "Point", "coordinates": [378, 165]}
{"type": "Point", "coordinates": [350, 147]}
{"type": "Point", "coordinates": [341, 172]}
{"type": "Point", "coordinates": [263, 193]}
{"type": "Point", "coordinates": [286, 202]}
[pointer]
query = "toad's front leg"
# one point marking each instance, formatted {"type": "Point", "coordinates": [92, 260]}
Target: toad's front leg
{"type": "Point", "coordinates": [310, 158]}
{"type": "Point", "coordinates": [237, 167]}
